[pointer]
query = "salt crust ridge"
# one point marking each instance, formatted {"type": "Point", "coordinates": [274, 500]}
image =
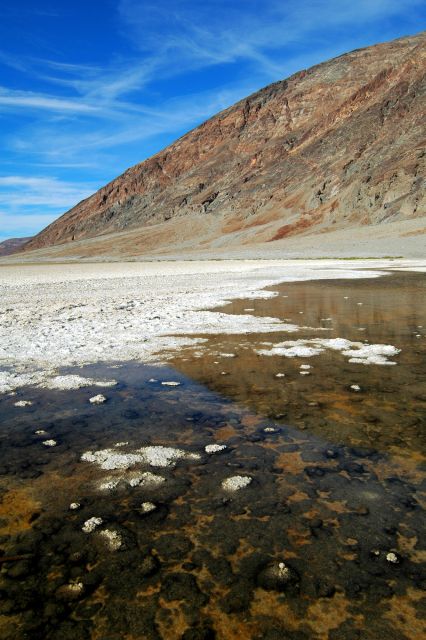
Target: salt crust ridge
{"type": "Point", "coordinates": [115, 316]}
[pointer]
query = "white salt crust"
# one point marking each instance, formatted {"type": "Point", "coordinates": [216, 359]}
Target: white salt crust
{"type": "Point", "coordinates": [235, 483]}
{"type": "Point", "coordinates": [102, 312]}
{"type": "Point", "coordinates": [99, 399]}
{"type": "Point", "coordinates": [112, 538]}
{"type": "Point", "coordinates": [356, 352]}
{"type": "Point", "coordinates": [214, 448]}
{"type": "Point", "coordinates": [90, 525]}
{"type": "Point", "coordinates": [50, 443]}
{"type": "Point", "coordinates": [154, 456]}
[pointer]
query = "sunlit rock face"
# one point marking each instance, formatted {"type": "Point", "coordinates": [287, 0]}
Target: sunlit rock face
{"type": "Point", "coordinates": [331, 147]}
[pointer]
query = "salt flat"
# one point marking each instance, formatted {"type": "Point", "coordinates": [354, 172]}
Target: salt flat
{"type": "Point", "coordinates": [63, 315]}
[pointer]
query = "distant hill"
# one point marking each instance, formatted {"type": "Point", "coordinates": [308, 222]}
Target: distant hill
{"type": "Point", "coordinates": [334, 147]}
{"type": "Point", "coordinates": [12, 245]}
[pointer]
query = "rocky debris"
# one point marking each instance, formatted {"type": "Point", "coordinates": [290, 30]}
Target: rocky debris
{"type": "Point", "coordinates": [99, 399]}
{"type": "Point", "coordinates": [235, 483]}
{"type": "Point", "coordinates": [214, 448]}
{"type": "Point", "coordinates": [91, 524]}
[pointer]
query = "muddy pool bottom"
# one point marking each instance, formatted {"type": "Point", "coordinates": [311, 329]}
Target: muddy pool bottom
{"type": "Point", "coordinates": [279, 534]}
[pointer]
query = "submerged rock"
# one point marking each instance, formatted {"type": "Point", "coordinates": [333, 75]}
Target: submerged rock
{"type": "Point", "coordinates": [277, 576]}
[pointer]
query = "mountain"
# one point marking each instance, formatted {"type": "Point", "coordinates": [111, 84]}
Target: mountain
{"type": "Point", "coordinates": [334, 147]}
{"type": "Point", "coordinates": [12, 245]}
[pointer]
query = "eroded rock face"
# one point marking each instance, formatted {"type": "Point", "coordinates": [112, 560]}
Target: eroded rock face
{"type": "Point", "coordinates": [333, 146]}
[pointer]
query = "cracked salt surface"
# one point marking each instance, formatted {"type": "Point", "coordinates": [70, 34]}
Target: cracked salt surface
{"type": "Point", "coordinates": [120, 318]}
{"type": "Point", "coordinates": [357, 352]}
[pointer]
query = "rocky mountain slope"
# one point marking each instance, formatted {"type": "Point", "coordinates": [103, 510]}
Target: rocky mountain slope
{"type": "Point", "coordinates": [337, 146]}
{"type": "Point", "coordinates": [12, 245]}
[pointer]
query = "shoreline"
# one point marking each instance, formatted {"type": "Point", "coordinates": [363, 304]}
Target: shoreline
{"type": "Point", "coordinates": [141, 311]}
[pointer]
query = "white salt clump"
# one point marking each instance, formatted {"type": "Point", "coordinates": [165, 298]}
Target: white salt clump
{"type": "Point", "coordinates": [283, 570]}
{"type": "Point", "coordinates": [223, 373]}
{"type": "Point", "coordinates": [109, 459]}
{"type": "Point", "coordinates": [50, 443]}
{"type": "Point", "coordinates": [235, 483]}
{"type": "Point", "coordinates": [360, 304]}
{"type": "Point", "coordinates": [121, 444]}
{"type": "Point", "coordinates": [355, 387]}
{"type": "Point", "coordinates": [248, 309]}
{"type": "Point", "coordinates": [227, 355]}
{"type": "Point", "coordinates": [392, 557]}
{"type": "Point", "coordinates": [158, 456]}
{"type": "Point", "coordinates": [270, 430]}
{"type": "Point", "coordinates": [171, 383]}
{"type": "Point", "coordinates": [23, 403]}
{"type": "Point", "coordinates": [305, 366]}
{"type": "Point", "coordinates": [99, 399]}
{"type": "Point", "coordinates": [147, 507]}
{"type": "Point", "coordinates": [146, 479]}
{"type": "Point", "coordinates": [74, 506]}
{"type": "Point", "coordinates": [280, 375]}
{"type": "Point", "coordinates": [65, 383]}
{"type": "Point", "coordinates": [152, 380]}
{"type": "Point", "coordinates": [357, 352]}
{"type": "Point", "coordinates": [75, 587]}
{"type": "Point", "coordinates": [109, 485]}
{"type": "Point", "coordinates": [90, 525]}
{"type": "Point", "coordinates": [40, 432]}
{"type": "Point", "coordinates": [214, 448]}
{"type": "Point", "coordinates": [113, 539]}
{"type": "Point", "coordinates": [155, 456]}
{"type": "Point", "coordinates": [305, 373]}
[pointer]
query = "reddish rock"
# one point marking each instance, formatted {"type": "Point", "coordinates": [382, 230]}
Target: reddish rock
{"type": "Point", "coordinates": [335, 146]}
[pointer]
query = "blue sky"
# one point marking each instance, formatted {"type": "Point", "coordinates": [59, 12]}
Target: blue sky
{"type": "Point", "coordinates": [89, 88]}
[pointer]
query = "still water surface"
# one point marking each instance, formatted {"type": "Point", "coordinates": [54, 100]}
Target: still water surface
{"type": "Point", "coordinates": [336, 491]}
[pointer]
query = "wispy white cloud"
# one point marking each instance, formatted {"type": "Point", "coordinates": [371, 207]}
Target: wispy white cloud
{"type": "Point", "coordinates": [29, 99]}
{"type": "Point", "coordinates": [85, 117]}
{"type": "Point", "coordinates": [19, 194]}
